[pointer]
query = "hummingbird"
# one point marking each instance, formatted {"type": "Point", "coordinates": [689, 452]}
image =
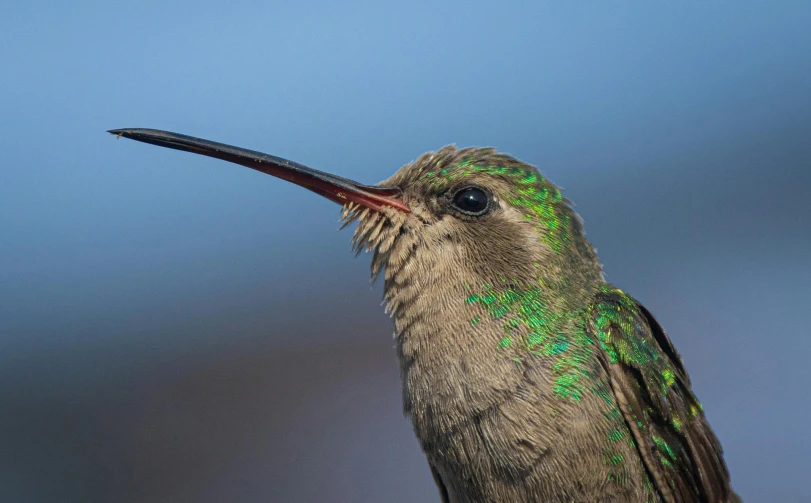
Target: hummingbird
{"type": "Point", "coordinates": [526, 376]}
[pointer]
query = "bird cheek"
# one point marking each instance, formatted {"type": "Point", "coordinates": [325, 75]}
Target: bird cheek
{"type": "Point", "coordinates": [421, 213]}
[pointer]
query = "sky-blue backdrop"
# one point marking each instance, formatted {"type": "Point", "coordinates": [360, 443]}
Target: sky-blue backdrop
{"type": "Point", "coordinates": [173, 328]}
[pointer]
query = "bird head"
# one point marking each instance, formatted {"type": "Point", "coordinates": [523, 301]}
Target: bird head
{"type": "Point", "coordinates": [467, 216]}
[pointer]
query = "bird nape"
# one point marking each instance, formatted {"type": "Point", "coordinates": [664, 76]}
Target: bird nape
{"type": "Point", "coordinates": [525, 375]}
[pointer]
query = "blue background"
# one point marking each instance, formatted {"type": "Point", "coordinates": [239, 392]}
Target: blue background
{"type": "Point", "coordinates": [174, 328]}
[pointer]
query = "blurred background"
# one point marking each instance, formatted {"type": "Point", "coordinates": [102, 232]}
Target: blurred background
{"type": "Point", "coordinates": [178, 329]}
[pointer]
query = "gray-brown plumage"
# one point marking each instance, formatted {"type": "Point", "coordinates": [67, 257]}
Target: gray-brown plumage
{"type": "Point", "coordinates": [527, 378]}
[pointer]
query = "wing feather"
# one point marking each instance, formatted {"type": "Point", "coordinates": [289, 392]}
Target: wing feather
{"type": "Point", "coordinates": [681, 454]}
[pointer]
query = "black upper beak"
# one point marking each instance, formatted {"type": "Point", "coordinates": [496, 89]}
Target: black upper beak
{"type": "Point", "coordinates": [335, 188]}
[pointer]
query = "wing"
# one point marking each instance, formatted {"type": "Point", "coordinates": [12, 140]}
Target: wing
{"type": "Point", "coordinates": [681, 453]}
{"type": "Point", "coordinates": [443, 491]}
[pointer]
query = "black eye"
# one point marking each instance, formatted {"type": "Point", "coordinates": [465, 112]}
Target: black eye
{"type": "Point", "coordinates": [472, 201]}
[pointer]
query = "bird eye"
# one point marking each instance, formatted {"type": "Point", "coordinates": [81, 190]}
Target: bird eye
{"type": "Point", "coordinates": [472, 201]}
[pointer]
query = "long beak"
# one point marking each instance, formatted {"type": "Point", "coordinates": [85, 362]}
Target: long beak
{"type": "Point", "coordinates": [334, 188]}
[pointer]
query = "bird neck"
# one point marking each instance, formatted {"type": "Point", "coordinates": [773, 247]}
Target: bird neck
{"type": "Point", "coordinates": [426, 299]}
{"type": "Point", "coordinates": [463, 343]}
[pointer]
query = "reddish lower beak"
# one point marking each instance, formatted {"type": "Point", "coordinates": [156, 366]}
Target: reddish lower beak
{"type": "Point", "coordinates": [334, 188]}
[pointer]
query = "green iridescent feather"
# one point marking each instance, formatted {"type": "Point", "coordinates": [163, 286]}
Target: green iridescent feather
{"type": "Point", "coordinates": [543, 202]}
{"type": "Point", "coordinates": [655, 396]}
